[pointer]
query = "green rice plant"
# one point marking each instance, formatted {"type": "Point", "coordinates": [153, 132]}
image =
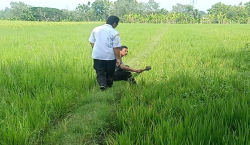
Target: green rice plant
{"type": "Point", "coordinates": [20, 24]}
{"type": "Point", "coordinates": [196, 93]}
{"type": "Point", "coordinates": [44, 71]}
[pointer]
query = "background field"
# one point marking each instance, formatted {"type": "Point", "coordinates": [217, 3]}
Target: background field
{"type": "Point", "coordinates": [196, 93]}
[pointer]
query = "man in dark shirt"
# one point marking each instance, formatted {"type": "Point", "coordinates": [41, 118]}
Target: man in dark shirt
{"type": "Point", "coordinates": [123, 72]}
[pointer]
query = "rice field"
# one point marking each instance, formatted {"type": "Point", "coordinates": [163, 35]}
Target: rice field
{"type": "Point", "coordinates": [196, 93]}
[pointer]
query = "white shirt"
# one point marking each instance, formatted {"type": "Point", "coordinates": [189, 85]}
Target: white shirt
{"type": "Point", "coordinates": [105, 39]}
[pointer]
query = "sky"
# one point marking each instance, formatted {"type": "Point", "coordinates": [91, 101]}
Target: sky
{"type": "Point", "coordinates": [201, 5]}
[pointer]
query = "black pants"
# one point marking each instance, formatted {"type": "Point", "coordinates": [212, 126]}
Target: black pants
{"type": "Point", "coordinates": [105, 71]}
{"type": "Point", "coordinates": [124, 75]}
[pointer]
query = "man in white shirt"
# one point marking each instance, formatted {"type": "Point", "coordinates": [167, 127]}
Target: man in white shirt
{"type": "Point", "coordinates": [105, 41]}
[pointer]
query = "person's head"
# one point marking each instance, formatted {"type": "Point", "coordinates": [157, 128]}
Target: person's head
{"type": "Point", "coordinates": [113, 21]}
{"type": "Point", "coordinates": [123, 50]}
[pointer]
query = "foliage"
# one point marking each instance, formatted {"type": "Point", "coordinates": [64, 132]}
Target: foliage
{"type": "Point", "coordinates": [20, 11]}
{"type": "Point", "coordinates": [123, 7]}
{"type": "Point", "coordinates": [84, 12]}
{"type": "Point", "coordinates": [101, 9]}
{"type": "Point", "coordinates": [179, 8]}
{"type": "Point", "coordinates": [131, 11]}
{"type": "Point", "coordinates": [46, 14]}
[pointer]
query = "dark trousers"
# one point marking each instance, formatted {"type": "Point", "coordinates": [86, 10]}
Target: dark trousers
{"type": "Point", "coordinates": [124, 75]}
{"type": "Point", "coordinates": [105, 71]}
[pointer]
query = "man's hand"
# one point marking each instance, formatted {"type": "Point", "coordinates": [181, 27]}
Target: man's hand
{"type": "Point", "coordinates": [139, 70]}
{"type": "Point", "coordinates": [118, 62]}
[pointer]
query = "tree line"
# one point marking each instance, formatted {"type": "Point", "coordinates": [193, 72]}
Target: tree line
{"type": "Point", "coordinates": [131, 11]}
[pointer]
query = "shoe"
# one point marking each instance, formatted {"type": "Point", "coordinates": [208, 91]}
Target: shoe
{"type": "Point", "coordinates": [102, 88]}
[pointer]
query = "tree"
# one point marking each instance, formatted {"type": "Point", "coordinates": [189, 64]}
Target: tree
{"type": "Point", "coordinates": [125, 7]}
{"type": "Point", "coordinates": [84, 11]}
{"type": "Point", "coordinates": [187, 14]}
{"type": "Point", "coordinates": [151, 7]}
{"type": "Point", "coordinates": [101, 9]}
{"type": "Point", "coordinates": [202, 13]}
{"type": "Point", "coordinates": [219, 10]}
{"type": "Point", "coordinates": [238, 14]}
{"type": "Point", "coordinates": [162, 11]}
{"type": "Point", "coordinates": [131, 11]}
{"type": "Point", "coordinates": [4, 14]}
{"type": "Point", "coordinates": [46, 14]}
{"type": "Point", "coordinates": [197, 15]}
{"type": "Point", "coordinates": [67, 15]}
{"type": "Point", "coordinates": [179, 8]}
{"type": "Point", "coordinates": [247, 5]}
{"type": "Point", "coordinates": [20, 11]}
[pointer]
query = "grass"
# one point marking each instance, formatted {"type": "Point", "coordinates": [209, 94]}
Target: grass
{"type": "Point", "coordinates": [91, 121]}
{"type": "Point", "coordinates": [96, 119]}
{"type": "Point", "coordinates": [42, 76]}
{"type": "Point", "coordinates": [196, 93]}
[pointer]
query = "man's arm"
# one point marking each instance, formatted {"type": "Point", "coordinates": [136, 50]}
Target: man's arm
{"type": "Point", "coordinates": [118, 56]}
{"type": "Point", "coordinates": [116, 47]}
{"type": "Point", "coordinates": [122, 66]}
{"type": "Point", "coordinates": [92, 39]}
{"type": "Point", "coordinates": [92, 44]}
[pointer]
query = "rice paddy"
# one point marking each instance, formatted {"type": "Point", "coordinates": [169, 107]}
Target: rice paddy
{"type": "Point", "coordinates": [196, 93]}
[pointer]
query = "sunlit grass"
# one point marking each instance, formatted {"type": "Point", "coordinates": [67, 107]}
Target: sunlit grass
{"type": "Point", "coordinates": [20, 24]}
{"type": "Point", "coordinates": [196, 93]}
{"type": "Point", "coordinates": [44, 71]}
